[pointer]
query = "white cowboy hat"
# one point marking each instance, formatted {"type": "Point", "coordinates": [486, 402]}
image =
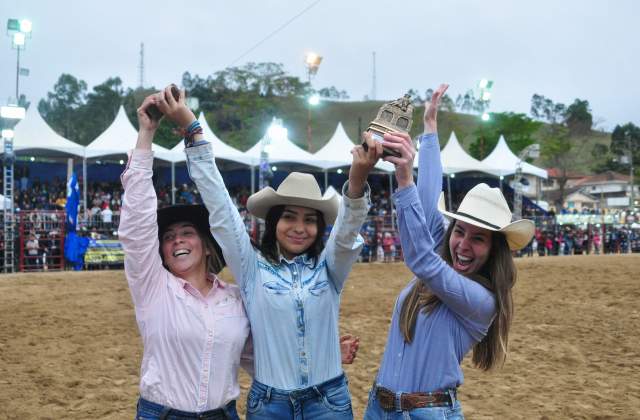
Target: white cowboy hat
{"type": "Point", "coordinates": [486, 207]}
{"type": "Point", "coordinates": [297, 189]}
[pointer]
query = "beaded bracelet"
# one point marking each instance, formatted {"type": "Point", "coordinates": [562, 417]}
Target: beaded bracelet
{"type": "Point", "coordinates": [190, 132]}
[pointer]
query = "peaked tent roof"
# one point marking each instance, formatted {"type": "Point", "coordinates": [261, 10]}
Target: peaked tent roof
{"type": "Point", "coordinates": [35, 135]}
{"type": "Point", "coordinates": [281, 149]}
{"type": "Point", "coordinates": [455, 159]}
{"type": "Point", "coordinates": [221, 149]}
{"type": "Point", "coordinates": [337, 152]}
{"type": "Point", "coordinates": [503, 161]}
{"type": "Point", "coordinates": [120, 137]}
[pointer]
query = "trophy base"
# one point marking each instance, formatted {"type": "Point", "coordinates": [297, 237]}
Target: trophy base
{"type": "Point", "coordinates": [377, 134]}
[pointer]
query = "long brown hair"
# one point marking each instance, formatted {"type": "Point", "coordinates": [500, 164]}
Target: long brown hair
{"type": "Point", "coordinates": [498, 275]}
{"type": "Point", "coordinates": [214, 261]}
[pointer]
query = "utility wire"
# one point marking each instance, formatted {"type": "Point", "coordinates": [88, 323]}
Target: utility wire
{"type": "Point", "coordinates": [281, 27]}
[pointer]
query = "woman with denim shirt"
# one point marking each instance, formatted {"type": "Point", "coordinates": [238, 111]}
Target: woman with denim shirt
{"type": "Point", "coordinates": [460, 298]}
{"type": "Point", "coordinates": [291, 282]}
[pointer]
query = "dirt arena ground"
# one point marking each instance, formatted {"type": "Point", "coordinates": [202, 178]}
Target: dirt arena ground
{"type": "Point", "coordinates": [69, 346]}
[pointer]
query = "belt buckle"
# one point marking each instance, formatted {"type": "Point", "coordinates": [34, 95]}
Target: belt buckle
{"type": "Point", "coordinates": [430, 399]}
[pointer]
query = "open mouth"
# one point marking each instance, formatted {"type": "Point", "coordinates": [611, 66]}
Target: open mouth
{"type": "Point", "coordinates": [179, 252]}
{"type": "Point", "coordinates": [463, 261]}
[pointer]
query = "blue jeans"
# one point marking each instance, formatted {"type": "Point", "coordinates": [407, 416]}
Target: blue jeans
{"type": "Point", "coordinates": [375, 412]}
{"type": "Point", "coordinates": [148, 410]}
{"type": "Point", "coordinates": [328, 401]}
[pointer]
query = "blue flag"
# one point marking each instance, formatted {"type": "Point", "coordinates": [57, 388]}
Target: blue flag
{"type": "Point", "coordinates": [74, 246]}
{"type": "Point", "coordinates": [73, 199]}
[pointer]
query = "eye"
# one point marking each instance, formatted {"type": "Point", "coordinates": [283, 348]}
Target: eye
{"type": "Point", "coordinates": [311, 220]}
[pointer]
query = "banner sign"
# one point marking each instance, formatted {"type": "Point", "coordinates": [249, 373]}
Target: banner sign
{"type": "Point", "coordinates": [104, 252]}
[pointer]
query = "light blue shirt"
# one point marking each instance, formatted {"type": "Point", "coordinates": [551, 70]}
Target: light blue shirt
{"type": "Point", "coordinates": [293, 307]}
{"type": "Point", "coordinates": [443, 337]}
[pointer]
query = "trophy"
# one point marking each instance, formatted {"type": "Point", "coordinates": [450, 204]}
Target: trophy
{"type": "Point", "coordinates": [395, 116]}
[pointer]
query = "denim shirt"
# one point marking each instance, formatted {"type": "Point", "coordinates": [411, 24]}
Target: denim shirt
{"type": "Point", "coordinates": [293, 306]}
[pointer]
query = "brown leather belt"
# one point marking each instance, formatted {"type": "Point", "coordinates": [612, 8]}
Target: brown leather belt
{"type": "Point", "coordinates": [408, 401]}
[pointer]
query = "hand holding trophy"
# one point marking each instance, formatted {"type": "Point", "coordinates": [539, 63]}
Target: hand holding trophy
{"type": "Point", "coordinates": [393, 117]}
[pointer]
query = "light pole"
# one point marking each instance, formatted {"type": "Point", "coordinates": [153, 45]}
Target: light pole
{"type": "Point", "coordinates": [533, 151]}
{"type": "Point", "coordinates": [312, 62]}
{"type": "Point", "coordinates": [631, 173]}
{"type": "Point", "coordinates": [19, 30]}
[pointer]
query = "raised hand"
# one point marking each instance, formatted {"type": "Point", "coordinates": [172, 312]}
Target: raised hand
{"type": "Point", "coordinates": [403, 145]}
{"type": "Point", "coordinates": [147, 125]}
{"type": "Point", "coordinates": [431, 109]}
{"type": "Point", "coordinates": [176, 110]}
{"type": "Point", "coordinates": [363, 163]}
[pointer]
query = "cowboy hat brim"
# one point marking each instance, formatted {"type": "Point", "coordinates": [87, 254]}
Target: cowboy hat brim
{"type": "Point", "coordinates": [196, 214]}
{"type": "Point", "coordinates": [518, 233]}
{"type": "Point", "coordinates": [259, 204]}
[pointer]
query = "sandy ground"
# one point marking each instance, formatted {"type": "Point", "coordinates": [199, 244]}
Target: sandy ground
{"type": "Point", "coordinates": [69, 345]}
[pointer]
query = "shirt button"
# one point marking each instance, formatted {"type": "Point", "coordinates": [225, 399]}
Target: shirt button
{"type": "Point", "coordinates": [303, 354]}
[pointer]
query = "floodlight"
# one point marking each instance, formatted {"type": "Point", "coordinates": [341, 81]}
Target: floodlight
{"type": "Point", "coordinates": [483, 83]}
{"type": "Point", "coordinates": [486, 95]}
{"type": "Point", "coordinates": [276, 131]}
{"type": "Point", "coordinates": [121, 162]}
{"type": "Point", "coordinates": [13, 25]}
{"type": "Point", "coordinates": [7, 133]}
{"type": "Point", "coordinates": [32, 159]}
{"type": "Point", "coordinates": [274, 168]}
{"type": "Point", "coordinates": [18, 39]}
{"type": "Point", "coordinates": [312, 59]}
{"type": "Point", "coordinates": [501, 177]}
{"type": "Point", "coordinates": [486, 116]}
{"type": "Point", "coordinates": [339, 171]}
{"type": "Point", "coordinates": [314, 100]}
{"type": "Point", "coordinates": [25, 26]}
{"type": "Point", "coordinates": [12, 112]}
{"type": "Point", "coordinates": [452, 176]}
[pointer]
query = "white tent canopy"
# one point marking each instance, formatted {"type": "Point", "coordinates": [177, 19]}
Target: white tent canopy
{"type": "Point", "coordinates": [120, 137]}
{"type": "Point", "coordinates": [455, 159]}
{"type": "Point", "coordinates": [280, 149]}
{"type": "Point", "coordinates": [221, 150]}
{"type": "Point", "coordinates": [503, 162]}
{"type": "Point", "coordinates": [337, 152]}
{"type": "Point", "coordinates": [33, 134]}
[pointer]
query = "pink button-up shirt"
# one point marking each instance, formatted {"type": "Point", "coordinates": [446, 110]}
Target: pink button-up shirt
{"type": "Point", "coordinates": [192, 343]}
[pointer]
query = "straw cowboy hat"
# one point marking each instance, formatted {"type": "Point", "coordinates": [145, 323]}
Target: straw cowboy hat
{"type": "Point", "coordinates": [297, 189]}
{"type": "Point", "coordinates": [486, 207]}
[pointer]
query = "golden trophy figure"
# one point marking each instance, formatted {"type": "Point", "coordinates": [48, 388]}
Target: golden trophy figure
{"type": "Point", "coordinates": [395, 116]}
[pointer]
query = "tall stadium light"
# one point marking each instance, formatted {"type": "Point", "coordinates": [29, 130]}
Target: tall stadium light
{"type": "Point", "coordinates": [314, 100]}
{"type": "Point", "coordinates": [485, 116]}
{"type": "Point", "coordinates": [18, 40]}
{"type": "Point", "coordinates": [12, 112]}
{"type": "Point", "coordinates": [531, 151]}
{"type": "Point", "coordinates": [312, 60]}
{"type": "Point", "coordinates": [26, 26]}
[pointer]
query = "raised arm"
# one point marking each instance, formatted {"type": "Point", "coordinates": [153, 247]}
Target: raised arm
{"type": "Point", "coordinates": [430, 166]}
{"type": "Point", "coordinates": [225, 222]}
{"type": "Point", "coordinates": [344, 243]}
{"type": "Point", "coordinates": [138, 229]}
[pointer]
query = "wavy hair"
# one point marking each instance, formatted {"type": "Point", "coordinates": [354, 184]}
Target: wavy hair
{"type": "Point", "coordinates": [498, 275]}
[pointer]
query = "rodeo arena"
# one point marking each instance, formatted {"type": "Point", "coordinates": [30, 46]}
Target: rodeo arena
{"type": "Point", "coordinates": [61, 201]}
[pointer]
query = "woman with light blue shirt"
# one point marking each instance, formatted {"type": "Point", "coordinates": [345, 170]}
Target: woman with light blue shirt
{"type": "Point", "coordinates": [460, 298]}
{"type": "Point", "coordinates": [291, 282]}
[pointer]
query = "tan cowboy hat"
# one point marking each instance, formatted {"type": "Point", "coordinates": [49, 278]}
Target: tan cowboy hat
{"type": "Point", "coordinates": [297, 189]}
{"type": "Point", "coordinates": [486, 207]}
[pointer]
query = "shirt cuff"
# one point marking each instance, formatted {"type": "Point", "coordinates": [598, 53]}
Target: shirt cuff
{"type": "Point", "coordinates": [199, 152]}
{"type": "Point", "coordinates": [406, 197]}
{"type": "Point", "coordinates": [359, 203]}
{"type": "Point", "coordinates": [429, 139]}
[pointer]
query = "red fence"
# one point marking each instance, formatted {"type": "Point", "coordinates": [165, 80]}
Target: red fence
{"type": "Point", "coordinates": [41, 240]}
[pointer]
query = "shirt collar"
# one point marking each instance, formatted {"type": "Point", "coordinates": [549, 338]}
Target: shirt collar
{"type": "Point", "coordinates": [304, 259]}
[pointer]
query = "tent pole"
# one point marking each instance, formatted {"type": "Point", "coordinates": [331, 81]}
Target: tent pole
{"type": "Point", "coordinates": [449, 195]}
{"type": "Point", "coordinates": [326, 180]}
{"type": "Point", "coordinates": [84, 187]}
{"type": "Point", "coordinates": [253, 179]}
{"type": "Point", "coordinates": [173, 183]}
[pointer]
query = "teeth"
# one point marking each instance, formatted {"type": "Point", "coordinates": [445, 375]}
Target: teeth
{"type": "Point", "coordinates": [181, 252]}
{"type": "Point", "coordinates": [464, 259]}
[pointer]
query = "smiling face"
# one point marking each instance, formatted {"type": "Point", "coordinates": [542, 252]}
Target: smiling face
{"type": "Point", "coordinates": [470, 246]}
{"type": "Point", "coordinates": [183, 249]}
{"type": "Point", "coordinates": [296, 230]}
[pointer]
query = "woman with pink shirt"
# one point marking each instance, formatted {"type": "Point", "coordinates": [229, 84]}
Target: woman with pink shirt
{"type": "Point", "coordinates": [193, 325]}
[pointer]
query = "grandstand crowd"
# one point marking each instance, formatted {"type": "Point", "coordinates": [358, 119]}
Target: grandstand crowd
{"type": "Point", "coordinates": [381, 242]}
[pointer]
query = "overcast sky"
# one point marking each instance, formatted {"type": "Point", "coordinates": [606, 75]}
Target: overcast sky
{"type": "Point", "coordinates": [562, 49]}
